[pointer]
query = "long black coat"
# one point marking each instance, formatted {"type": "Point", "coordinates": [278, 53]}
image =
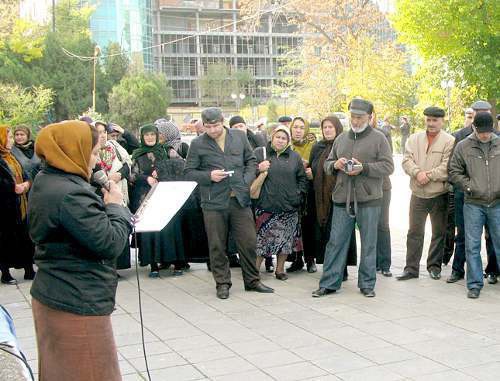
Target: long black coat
{"type": "Point", "coordinates": [167, 246]}
{"type": "Point", "coordinates": [322, 233]}
{"type": "Point", "coordinates": [16, 249]}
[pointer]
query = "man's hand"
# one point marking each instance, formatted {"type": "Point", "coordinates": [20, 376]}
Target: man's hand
{"type": "Point", "coordinates": [340, 164]}
{"type": "Point", "coordinates": [217, 175]}
{"type": "Point", "coordinates": [309, 173]}
{"type": "Point", "coordinates": [264, 166]}
{"type": "Point", "coordinates": [114, 195]}
{"type": "Point", "coordinates": [356, 171]}
{"type": "Point", "coordinates": [422, 178]}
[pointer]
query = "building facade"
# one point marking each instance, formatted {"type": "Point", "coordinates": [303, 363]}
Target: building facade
{"type": "Point", "coordinates": [126, 22]}
{"type": "Point", "coordinates": [191, 35]}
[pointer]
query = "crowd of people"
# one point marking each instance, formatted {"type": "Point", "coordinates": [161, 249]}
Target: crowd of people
{"type": "Point", "coordinates": [277, 195]}
{"type": "Point", "coordinates": [272, 196]}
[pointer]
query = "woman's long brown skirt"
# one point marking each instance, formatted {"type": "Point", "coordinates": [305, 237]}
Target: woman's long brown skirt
{"type": "Point", "coordinates": [74, 347]}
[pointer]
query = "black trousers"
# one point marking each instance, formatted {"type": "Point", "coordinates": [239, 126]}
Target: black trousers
{"type": "Point", "coordinates": [384, 252]}
{"type": "Point", "coordinates": [240, 222]}
{"type": "Point", "coordinates": [420, 208]}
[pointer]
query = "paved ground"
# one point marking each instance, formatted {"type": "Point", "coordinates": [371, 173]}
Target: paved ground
{"type": "Point", "coordinates": [417, 330]}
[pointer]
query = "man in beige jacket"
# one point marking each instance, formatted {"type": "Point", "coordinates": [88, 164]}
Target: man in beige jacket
{"type": "Point", "coordinates": [426, 161]}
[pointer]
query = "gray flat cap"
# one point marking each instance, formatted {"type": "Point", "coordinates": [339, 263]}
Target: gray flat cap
{"type": "Point", "coordinates": [481, 105]}
{"type": "Point", "coordinates": [360, 106]}
{"type": "Point", "coordinates": [212, 115]}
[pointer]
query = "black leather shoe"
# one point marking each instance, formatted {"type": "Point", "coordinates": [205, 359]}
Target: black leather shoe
{"type": "Point", "coordinates": [435, 274]}
{"type": "Point", "coordinates": [281, 276]}
{"type": "Point", "coordinates": [295, 266]}
{"type": "Point", "coordinates": [454, 277]}
{"type": "Point", "coordinates": [473, 293]}
{"type": "Point", "coordinates": [322, 292]}
{"type": "Point", "coordinates": [223, 291]}
{"type": "Point", "coordinates": [492, 278]}
{"type": "Point", "coordinates": [7, 279]}
{"type": "Point", "coordinates": [311, 267]}
{"type": "Point", "coordinates": [386, 273]}
{"type": "Point", "coordinates": [259, 287]}
{"type": "Point", "coordinates": [368, 292]}
{"type": "Point", "coordinates": [269, 265]}
{"type": "Point", "coordinates": [406, 275]}
{"type": "Point", "coordinates": [234, 261]}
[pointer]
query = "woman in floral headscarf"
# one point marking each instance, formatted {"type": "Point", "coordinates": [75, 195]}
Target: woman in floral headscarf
{"type": "Point", "coordinates": [115, 161]}
{"type": "Point", "coordinates": [16, 248]}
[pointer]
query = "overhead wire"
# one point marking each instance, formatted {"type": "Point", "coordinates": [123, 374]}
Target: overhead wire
{"type": "Point", "coordinates": [161, 45]}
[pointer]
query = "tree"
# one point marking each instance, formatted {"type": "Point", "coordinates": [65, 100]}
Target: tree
{"type": "Point", "coordinates": [330, 22]}
{"type": "Point", "coordinates": [139, 99]}
{"type": "Point", "coordinates": [24, 106]}
{"type": "Point", "coordinates": [116, 64]}
{"type": "Point", "coordinates": [464, 34]}
{"type": "Point", "coordinates": [216, 83]}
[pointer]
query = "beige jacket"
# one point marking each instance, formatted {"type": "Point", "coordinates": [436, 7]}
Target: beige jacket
{"type": "Point", "coordinates": [434, 160]}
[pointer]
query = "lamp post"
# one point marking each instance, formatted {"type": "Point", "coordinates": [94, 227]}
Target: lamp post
{"type": "Point", "coordinates": [97, 51]}
{"type": "Point", "coordinates": [237, 98]}
{"type": "Point", "coordinates": [285, 96]}
{"type": "Point", "coordinates": [448, 85]}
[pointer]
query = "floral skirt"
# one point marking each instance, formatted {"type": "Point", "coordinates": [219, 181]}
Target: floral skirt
{"type": "Point", "coordinates": [278, 233]}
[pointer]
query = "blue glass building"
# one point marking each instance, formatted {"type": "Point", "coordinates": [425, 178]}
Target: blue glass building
{"type": "Point", "coordinates": [126, 22]}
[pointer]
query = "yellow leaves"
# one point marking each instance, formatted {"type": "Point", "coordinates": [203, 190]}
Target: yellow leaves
{"type": "Point", "coordinates": [26, 40]}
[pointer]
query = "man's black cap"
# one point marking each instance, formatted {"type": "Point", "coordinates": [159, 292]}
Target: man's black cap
{"type": "Point", "coordinates": [284, 119]}
{"type": "Point", "coordinates": [483, 121]}
{"type": "Point", "coordinates": [360, 106]}
{"type": "Point", "coordinates": [212, 115]}
{"type": "Point", "coordinates": [434, 111]}
{"type": "Point", "coordinates": [236, 120]}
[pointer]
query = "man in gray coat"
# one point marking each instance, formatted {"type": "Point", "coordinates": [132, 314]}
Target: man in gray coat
{"type": "Point", "coordinates": [360, 158]}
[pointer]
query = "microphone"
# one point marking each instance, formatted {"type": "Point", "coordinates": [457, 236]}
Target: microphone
{"type": "Point", "coordinates": [101, 179]}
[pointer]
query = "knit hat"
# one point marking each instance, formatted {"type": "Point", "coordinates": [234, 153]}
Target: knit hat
{"type": "Point", "coordinates": [483, 121]}
{"type": "Point", "coordinates": [236, 120]}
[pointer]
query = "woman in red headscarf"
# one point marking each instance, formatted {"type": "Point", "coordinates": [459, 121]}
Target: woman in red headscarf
{"type": "Point", "coordinates": [16, 247]}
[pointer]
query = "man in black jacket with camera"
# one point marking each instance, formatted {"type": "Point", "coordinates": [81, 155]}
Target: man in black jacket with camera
{"type": "Point", "coordinates": [223, 164]}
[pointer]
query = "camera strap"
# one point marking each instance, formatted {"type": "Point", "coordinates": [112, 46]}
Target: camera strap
{"type": "Point", "coordinates": [351, 187]}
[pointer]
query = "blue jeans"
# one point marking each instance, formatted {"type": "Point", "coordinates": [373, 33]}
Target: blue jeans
{"type": "Point", "coordinates": [459, 256]}
{"type": "Point", "coordinates": [338, 245]}
{"type": "Point", "coordinates": [476, 217]}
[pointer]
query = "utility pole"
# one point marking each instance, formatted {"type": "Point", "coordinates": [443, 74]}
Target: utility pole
{"type": "Point", "coordinates": [97, 51]}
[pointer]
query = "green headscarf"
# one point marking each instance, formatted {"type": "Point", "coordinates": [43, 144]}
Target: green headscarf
{"type": "Point", "coordinates": [157, 149]}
